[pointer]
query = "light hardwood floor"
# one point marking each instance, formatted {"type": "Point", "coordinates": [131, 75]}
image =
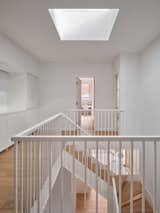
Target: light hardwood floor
{"type": "Point", "coordinates": [6, 181]}
{"type": "Point", "coordinates": [90, 203]}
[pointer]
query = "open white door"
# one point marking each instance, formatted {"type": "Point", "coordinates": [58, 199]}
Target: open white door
{"type": "Point", "coordinates": [78, 100]}
{"type": "Point", "coordinates": [78, 93]}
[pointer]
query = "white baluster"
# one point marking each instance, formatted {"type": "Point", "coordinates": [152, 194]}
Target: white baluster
{"type": "Point", "coordinates": [120, 176]}
{"type": "Point", "coordinates": [16, 177]}
{"type": "Point", "coordinates": [131, 183]}
{"type": "Point", "coordinates": [155, 179]}
{"type": "Point", "coordinates": [30, 160]}
{"type": "Point", "coordinates": [21, 177]}
{"type": "Point", "coordinates": [27, 176]}
{"type": "Point", "coordinates": [85, 174]}
{"type": "Point", "coordinates": [61, 191]}
{"type": "Point", "coordinates": [143, 176]}
{"type": "Point", "coordinates": [73, 179]}
{"type": "Point", "coordinates": [50, 176]}
{"type": "Point", "coordinates": [96, 176]}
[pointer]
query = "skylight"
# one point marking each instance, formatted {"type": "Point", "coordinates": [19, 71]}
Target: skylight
{"type": "Point", "coordinates": [84, 24]}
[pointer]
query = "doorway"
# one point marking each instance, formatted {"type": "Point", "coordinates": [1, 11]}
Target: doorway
{"type": "Point", "coordinates": [85, 102]}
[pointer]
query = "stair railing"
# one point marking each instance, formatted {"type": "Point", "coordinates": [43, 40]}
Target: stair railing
{"type": "Point", "coordinates": [98, 121]}
{"type": "Point", "coordinates": [39, 161]}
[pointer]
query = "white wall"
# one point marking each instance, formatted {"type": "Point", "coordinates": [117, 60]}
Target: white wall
{"type": "Point", "coordinates": [32, 91]}
{"type": "Point", "coordinates": [150, 86]}
{"type": "Point", "coordinates": [139, 89]}
{"type": "Point", "coordinates": [139, 97]}
{"type": "Point", "coordinates": [3, 91]}
{"type": "Point", "coordinates": [58, 84]}
{"type": "Point", "coordinates": [130, 92]}
{"type": "Point", "coordinates": [18, 91]}
{"type": "Point", "coordinates": [150, 107]}
{"type": "Point", "coordinates": [15, 59]}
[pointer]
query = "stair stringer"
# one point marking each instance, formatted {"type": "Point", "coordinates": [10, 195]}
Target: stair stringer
{"type": "Point", "coordinates": [104, 189]}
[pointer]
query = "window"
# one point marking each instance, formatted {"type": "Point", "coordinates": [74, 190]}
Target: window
{"type": "Point", "coordinates": [84, 24]}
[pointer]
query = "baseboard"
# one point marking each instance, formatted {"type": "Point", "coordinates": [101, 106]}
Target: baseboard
{"type": "Point", "coordinates": [6, 148]}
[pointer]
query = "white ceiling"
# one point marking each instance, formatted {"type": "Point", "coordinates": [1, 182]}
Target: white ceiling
{"type": "Point", "coordinates": [28, 23]}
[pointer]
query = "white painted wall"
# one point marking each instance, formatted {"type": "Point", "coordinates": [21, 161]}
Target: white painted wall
{"type": "Point", "coordinates": [18, 90]}
{"type": "Point", "coordinates": [3, 91]}
{"type": "Point", "coordinates": [139, 97]}
{"type": "Point", "coordinates": [58, 84]}
{"type": "Point", "coordinates": [139, 89]}
{"type": "Point", "coordinates": [150, 86]}
{"type": "Point", "coordinates": [32, 91]}
{"type": "Point", "coordinates": [150, 107]}
{"type": "Point", "coordinates": [15, 59]}
{"type": "Point", "coordinates": [130, 92]}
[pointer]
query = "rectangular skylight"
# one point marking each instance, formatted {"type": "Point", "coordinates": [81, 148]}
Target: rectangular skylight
{"type": "Point", "coordinates": [84, 24]}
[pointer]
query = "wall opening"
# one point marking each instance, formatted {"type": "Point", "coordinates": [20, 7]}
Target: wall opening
{"type": "Point", "coordinates": [85, 101]}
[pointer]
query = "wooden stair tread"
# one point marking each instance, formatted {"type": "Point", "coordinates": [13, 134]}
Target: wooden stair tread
{"type": "Point", "coordinates": [135, 198]}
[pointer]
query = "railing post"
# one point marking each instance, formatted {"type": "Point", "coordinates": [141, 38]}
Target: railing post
{"type": "Point", "coordinates": [50, 175]}
{"type": "Point", "coordinates": [85, 174]}
{"type": "Point", "coordinates": [16, 177]}
{"type": "Point", "coordinates": [61, 191]}
{"type": "Point", "coordinates": [21, 177]}
{"type": "Point", "coordinates": [108, 174]}
{"type": "Point", "coordinates": [155, 179]}
{"type": "Point", "coordinates": [131, 186]}
{"type": "Point", "coordinates": [143, 176]}
{"type": "Point", "coordinates": [27, 177]}
{"type": "Point", "coordinates": [108, 162]}
{"type": "Point", "coordinates": [38, 173]}
{"type": "Point", "coordinates": [97, 176]}
{"type": "Point", "coordinates": [73, 178]}
{"type": "Point", "coordinates": [109, 204]}
{"type": "Point", "coordinates": [120, 176]}
{"type": "Point", "coordinates": [30, 160]}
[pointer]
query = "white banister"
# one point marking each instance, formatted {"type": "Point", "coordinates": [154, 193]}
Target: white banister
{"type": "Point", "coordinates": [81, 138]}
{"type": "Point", "coordinates": [43, 157]}
{"type": "Point", "coordinates": [62, 180]}
{"type": "Point", "coordinates": [30, 173]}
{"type": "Point", "coordinates": [21, 177]}
{"type": "Point", "coordinates": [116, 204]}
{"type": "Point", "coordinates": [143, 177]}
{"type": "Point", "coordinates": [16, 177]}
{"type": "Point", "coordinates": [131, 181]}
{"type": "Point", "coordinates": [120, 176]}
{"type": "Point", "coordinates": [97, 176]}
{"type": "Point", "coordinates": [73, 179]}
{"type": "Point", "coordinates": [85, 175]}
{"type": "Point", "coordinates": [27, 175]}
{"type": "Point", "coordinates": [155, 178]}
{"type": "Point", "coordinates": [50, 176]}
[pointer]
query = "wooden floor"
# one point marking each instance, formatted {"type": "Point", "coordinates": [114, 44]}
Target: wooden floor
{"type": "Point", "coordinates": [6, 181]}
{"type": "Point", "coordinates": [91, 203]}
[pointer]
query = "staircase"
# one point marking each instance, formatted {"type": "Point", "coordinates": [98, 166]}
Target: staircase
{"type": "Point", "coordinates": [137, 198]}
{"type": "Point", "coordinates": [60, 142]}
{"type": "Point", "coordinates": [105, 180]}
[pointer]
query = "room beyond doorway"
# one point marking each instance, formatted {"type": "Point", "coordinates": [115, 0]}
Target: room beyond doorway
{"type": "Point", "coordinates": [85, 93]}
{"type": "Point", "coordinates": [86, 101]}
